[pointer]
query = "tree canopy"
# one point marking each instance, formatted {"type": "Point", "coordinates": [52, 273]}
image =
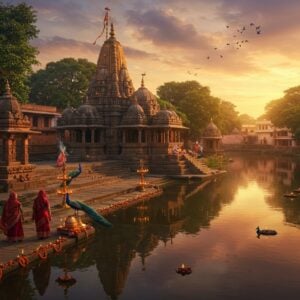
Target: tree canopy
{"type": "Point", "coordinates": [196, 103]}
{"type": "Point", "coordinates": [62, 83]}
{"type": "Point", "coordinates": [285, 112]}
{"type": "Point", "coordinates": [246, 119]}
{"type": "Point", "coordinates": [17, 28]}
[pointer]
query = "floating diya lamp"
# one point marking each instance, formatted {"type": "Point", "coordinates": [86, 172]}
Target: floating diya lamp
{"type": "Point", "coordinates": [184, 270]}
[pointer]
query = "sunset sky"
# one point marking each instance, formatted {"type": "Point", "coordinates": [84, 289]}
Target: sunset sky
{"type": "Point", "coordinates": [170, 40]}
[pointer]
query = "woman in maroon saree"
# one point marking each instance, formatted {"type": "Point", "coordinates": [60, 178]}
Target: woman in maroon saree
{"type": "Point", "coordinates": [42, 215]}
{"type": "Point", "coordinates": [12, 217]}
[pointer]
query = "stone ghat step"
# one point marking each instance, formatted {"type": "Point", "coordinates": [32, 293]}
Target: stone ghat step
{"type": "Point", "coordinates": [51, 190]}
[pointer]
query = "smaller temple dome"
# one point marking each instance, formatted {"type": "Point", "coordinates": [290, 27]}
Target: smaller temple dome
{"type": "Point", "coordinates": [67, 113]}
{"type": "Point", "coordinates": [87, 111]}
{"type": "Point", "coordinates": [9, 103]}
{"type": "Point", "coordinates": [166, 117]}
{"type": "Point", "coordinates": [211, 130]}
{"type": "Point", "coordinates": [146, 99]}
{"type": "Point", "coordinates": [235, 131]}
{"type": "Point", "coordinates": [134, 116]}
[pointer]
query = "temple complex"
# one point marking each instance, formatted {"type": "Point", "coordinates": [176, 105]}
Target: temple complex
{"type": "Point", "coordinates": [15, 170]}
{"type": "Point", "coordinates": [117, 122]}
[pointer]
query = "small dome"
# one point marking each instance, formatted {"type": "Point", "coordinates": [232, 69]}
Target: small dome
{"type": "Point", "coordinates": [67, 112]}
{"type": "Point", "coordinates": [166, 117]}
{"type": "Point", "coordinates": [87, 111]}
{"type": "Point", "coordinates": [134, 116]}
{"type": "Point", "coordinates": [147, 100]}
{"type": "Point", "coordinates": [9, 103]}
{"type": "Point", "coordinates": [211, 130]}
{"type": "Point", "coordinates": [235, 131]}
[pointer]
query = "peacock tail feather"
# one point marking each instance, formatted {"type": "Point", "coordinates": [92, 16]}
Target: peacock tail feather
{"type": "Point", "coordinates": [78, 205]}
{"type": "Point", "coordinates": [94, 215]}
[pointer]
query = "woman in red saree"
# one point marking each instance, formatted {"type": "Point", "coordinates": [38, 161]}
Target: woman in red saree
{"type": "Point", "coordinates": [12, 217]}
{"type": "Point", "coordinates": [42, 215]}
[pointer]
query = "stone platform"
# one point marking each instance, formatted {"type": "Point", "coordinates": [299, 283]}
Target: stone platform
{"type": "Point", "coordinates": [105, 191]}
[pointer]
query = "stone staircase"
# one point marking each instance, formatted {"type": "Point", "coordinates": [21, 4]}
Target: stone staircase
{"type": "Point", "coordinates": [174, 165]}
{"type": "Point", "coordinates": [198, 164]}
{"type": "Point", "coordinates": [93, 174]}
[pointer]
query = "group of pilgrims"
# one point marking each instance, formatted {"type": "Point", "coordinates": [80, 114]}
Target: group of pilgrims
{"type": "Point", "coordinates": [11, 222]}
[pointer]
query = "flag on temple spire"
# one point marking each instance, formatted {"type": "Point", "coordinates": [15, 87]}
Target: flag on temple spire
{"type": "Point", "coordinates": [105, 25]}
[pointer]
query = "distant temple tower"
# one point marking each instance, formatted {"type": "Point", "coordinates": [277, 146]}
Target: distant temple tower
{"type": "Point", "coordinates": [212, 139]}
{"type": "Point", "coordinates": [15, 169]}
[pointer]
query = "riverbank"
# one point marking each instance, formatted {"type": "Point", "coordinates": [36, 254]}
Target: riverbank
{"type": "Point", "coordinates": [20, 255]}
{"type": "Point", "coordinates": [263, 150]}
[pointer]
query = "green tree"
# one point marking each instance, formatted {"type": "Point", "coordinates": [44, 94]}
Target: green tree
{"type": "Point", "coordinates": [196, 103]}
{"type": "Point", "coordinates": [245, 119]}
{"type": "Point", "coordinates": [62, 83]}
{"type": "Point", "coordinates": [228, 118]}
{"type": "Point", "coordinates": [17, 28]}
{"type": "Point", "coordinates": [285, 112]}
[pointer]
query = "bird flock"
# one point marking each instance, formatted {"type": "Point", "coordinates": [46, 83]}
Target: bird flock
{"type": "Point", "coordinates": [237, 38]}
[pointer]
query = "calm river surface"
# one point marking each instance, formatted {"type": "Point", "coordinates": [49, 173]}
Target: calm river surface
{"type": "Point", "coordinates": [212, 230]}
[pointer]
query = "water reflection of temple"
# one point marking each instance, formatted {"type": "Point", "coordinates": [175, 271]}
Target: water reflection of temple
{"type": "Point", "coordinates": [167, 215]}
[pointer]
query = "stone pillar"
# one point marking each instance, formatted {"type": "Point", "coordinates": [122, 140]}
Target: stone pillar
{"type": "Point", "coordinates": [123, 136]}
{"type": "Point", "coordinates": [7, 155]}
{"type": "Point", "coordinates": [168, 136]}
{"type": "Point", "coordinates": [139, 136]}
{"type": "Point", "coordinates": [93, 136]}
{"type": "Point", "coordinates": [25, 155]}
{"type": "Point", "coordinates": [83, 136]}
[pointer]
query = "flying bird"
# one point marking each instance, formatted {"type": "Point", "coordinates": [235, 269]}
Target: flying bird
{"type": "Point", "coordinates": [78, 205]}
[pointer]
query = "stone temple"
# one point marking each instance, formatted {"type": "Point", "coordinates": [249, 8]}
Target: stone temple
{"type": "Point", "coordinates": [116, 121]}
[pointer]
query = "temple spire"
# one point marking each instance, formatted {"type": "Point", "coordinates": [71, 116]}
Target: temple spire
{"type": "Point", "coordinates": [142, 81]}
{"type": "Point", "coordinates": [112, 31]}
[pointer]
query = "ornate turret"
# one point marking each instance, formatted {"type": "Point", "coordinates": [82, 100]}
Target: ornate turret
{"type": "Point", "coordinates": [11, 115]}
{"type": "Point", "coordinates": [211, 138]}
{"type": "Point", "coordinates": [146, 99]}
{"type": "Point", "coordinates": [15, 170]}
{"type": "Point", "coordinates": [112, 79]}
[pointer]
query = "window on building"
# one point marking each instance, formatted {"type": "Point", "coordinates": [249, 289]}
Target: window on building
{"type": "Point", "coordinates": [46, 122]}
{"type": "Point", "coordinates": [35, 121]}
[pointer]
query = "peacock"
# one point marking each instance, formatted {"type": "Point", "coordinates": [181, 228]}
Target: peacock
{"type": "Point", "coordinates": [78, 205]}
{"type": "Point", "coordinates": [73, 174]}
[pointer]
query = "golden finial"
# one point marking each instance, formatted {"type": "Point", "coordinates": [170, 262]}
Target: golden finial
{"type": "Point", "coordinates": [142, 81]}
{"type": "Point", "coordinates": [112, 31]}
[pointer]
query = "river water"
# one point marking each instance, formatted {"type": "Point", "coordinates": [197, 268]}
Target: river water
{"type": "Point", "coordinates": [212, 230]}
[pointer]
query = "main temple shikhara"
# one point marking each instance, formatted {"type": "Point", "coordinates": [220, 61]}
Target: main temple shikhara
{"type": "Point", "coordinates": [116, 121]}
